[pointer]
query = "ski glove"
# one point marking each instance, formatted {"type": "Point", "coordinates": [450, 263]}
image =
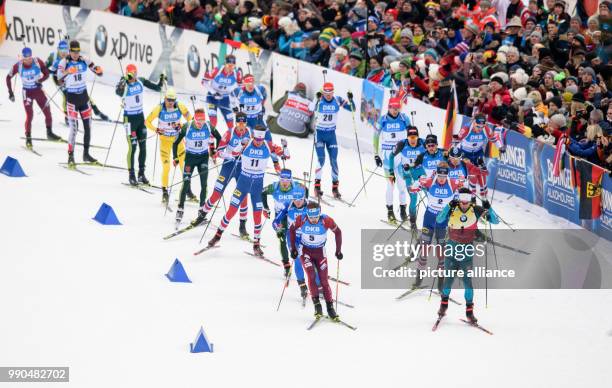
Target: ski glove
{"type": "Point", "coordinates": [11, 97]}
{"type": "Point", "coordinates": [266, 213]}
{"type": "Point", "coordinates": [294, 254]}
{"type": "Point", "coordinates": [486, 204]}
{"type": "Point", "coordinates": [453, 204]}
{"type": "Point", "coordinates": [319, 94]}
{"type": "Point", "coordinates": [349, 95]}
{"type": "Point", "coordinates": [280, 233]}
{"type": "Point", "coordinates": [175, 162]}
{"type": "Point", "coordinates": [378, 161]}
{"type": "Point", "coordinates": [98, 70]}
{"type": "Point", "coordinates": [339, 255]}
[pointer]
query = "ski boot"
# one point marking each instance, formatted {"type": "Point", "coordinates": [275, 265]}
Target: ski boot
{"type": "Point", "coordinates": [99, 113]}
{"type": "Point", "coordinates": [335, 191]}
{"type": "Point", "coordinates": [88, 158]}
{"type": "Point", "coordinates": [413, 225]}
{"type": "Point", "coordinates": [191, 196]}
{"type": "Point", "coordinates": [390, 215]}
{"type": "Point", "coordinates": [132, 178]}
{"type": "Point", "coordinates": [317, 188]}
{"type": "Point", "coordinates": [142, 178]}
{"type": "Point", "coordinates": [213, 241]}
{"type": "Point", "coordinates": [52, 136]}
{"type": "Point", "coordinates": [469, 313]}
{"type": "Point", "coordinates": [242, 230]}
{"type": "Point", "coordinates": [443, 306]}
{"type": "Point", "coordinates": [257, 249]}
{"type": "Point", "coordinates": [403, 215]}
{"type": "Point", "coordinates": [318, 308]}
{"type": "Point", "coordinates": [179, 215]}
{"type": "Point", "coordinates": [71, 162]}
{"type": "Point", "coordinates": [165, 195]}
{"type": "Point", "coordinates": [303, 289]}
{"type": "Point", "coordinates": [331, 312]}
{"type": "Point", "coordinates": [28, 141]}
{"type": "Point", "coordinates": [200, 219]}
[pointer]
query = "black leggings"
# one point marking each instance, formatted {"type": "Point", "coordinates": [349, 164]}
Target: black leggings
{"type": "Point", "coordinates": [192, 162]}
{"type": "Point", "coordinates": [136, 134]}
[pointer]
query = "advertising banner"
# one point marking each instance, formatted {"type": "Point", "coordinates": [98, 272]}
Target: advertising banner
{"type": "Point", "coordinates": [512, 172]}
{"type": "Point", "coordinates": [152, 47]}
{"type": "Point", "coordinates": [604, 224]}
{"type": "Point", "coordinates": [559, 196]}
{"type": "Point", "coordinates": [41, 27]}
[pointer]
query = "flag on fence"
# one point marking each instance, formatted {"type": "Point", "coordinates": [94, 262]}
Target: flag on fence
{"type": "Point", "coordinates": [3, 29]}
{"type": "Point", "coordinates": [239, 45]}
{"type": "Point", "coordinates": [588, 178]}
{"type": "Point", "coordinates": [559, 155]}
{"type": "Point", "coordinates": [449, 119]}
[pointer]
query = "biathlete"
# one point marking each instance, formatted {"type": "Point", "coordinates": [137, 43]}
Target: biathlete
{"type": "Point", "coordinates": [168, 115]}
{"type": "Point", "coordinates": [200, 140]}
{"type": "Point", "coordinates": [462, 217]}
{"type": "Point", "coordinates": [313, 227]}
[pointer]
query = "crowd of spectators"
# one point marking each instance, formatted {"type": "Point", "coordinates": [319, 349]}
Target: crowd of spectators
{"type": "Point", "coordinates": [532, 65]}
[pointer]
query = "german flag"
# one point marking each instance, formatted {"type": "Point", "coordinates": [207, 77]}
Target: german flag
{"type": "Point", "coordinates": [588, 178]}
{"type": "Point", "coordinates": [449, 120]}
{"type": "Point", "coordinates": [3, 29]}
{"type": "Point", "coordinates": [241, 46]}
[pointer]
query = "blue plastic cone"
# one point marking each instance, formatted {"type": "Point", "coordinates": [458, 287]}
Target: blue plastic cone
{"type": "Point", "coordinates": [106, 215]}
{"type": "Point", "coordinates": [177, 273]}
{"type": "Point", "coordinates": [201, 344]}
{"type": "Point", "coordinates": [12, 168]}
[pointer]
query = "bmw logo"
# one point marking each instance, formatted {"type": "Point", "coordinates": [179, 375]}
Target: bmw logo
{"type": "Point", "coordinates": [101, 41]}
{"type": "Point", "coordinates": [193, 61]}
{"type": "Point", "coordinates": [463, 218]}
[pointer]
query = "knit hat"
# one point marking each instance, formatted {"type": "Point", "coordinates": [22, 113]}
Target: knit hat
{"type": "Point", "coordinates": [473, 28]}
{"type": "Point", "coordinates": [325, 37]}
{"type": "Point", "coordinates": [589, 70]}
{"type": "Point", "coordinates": [578, 97]}
{"type": "Point", "coordinates": [555, 100]}
{"type": "Point", "coordinates": [526, 103]}
{"type": "Point", "coordinates": [536, 33]}
{"type": "Point", "coordinates": [498, 79]}
{"type": "Point", "coordinates": [514, 22]}
{"type": "Point", "coordinates": [341, 51]}
{"type": "Point", "coordinates": [433, 53]}
{"type": "Point", "coordinates": [356, 54]}
{"type": "Point", "coordinates": [572, 89]}
{"type": "Point", "coordinates": [580, 38]}
{"type": "Point", "coordinates": [406, 33]}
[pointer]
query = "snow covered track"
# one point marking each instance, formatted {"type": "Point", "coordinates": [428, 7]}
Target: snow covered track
{"type": "Point", "coordinates": [95, 298]}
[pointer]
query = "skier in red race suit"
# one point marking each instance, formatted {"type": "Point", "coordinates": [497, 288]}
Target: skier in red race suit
{"type": "Point", "coordinates": [33, 73]}
{"type": "Point", "coordinates": [314, 227]}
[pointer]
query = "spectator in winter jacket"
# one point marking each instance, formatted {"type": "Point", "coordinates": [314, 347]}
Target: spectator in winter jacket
{"type": "Point", "coordinates": [290, 42]}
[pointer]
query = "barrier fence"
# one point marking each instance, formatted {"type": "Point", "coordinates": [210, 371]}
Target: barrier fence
{"type": "Point", "coordinates": [582, 193]}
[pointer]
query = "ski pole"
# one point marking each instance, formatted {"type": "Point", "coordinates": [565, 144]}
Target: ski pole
{"type": "Point", "coordinates": [358, 150]}
{"type": "Point", "coordinates": [112, 137]}
{"type": "Point", "coordinates": [195, 175]}
{"type": "Point", "coordinates": [170, 189]}
{"type": "Point", "coordinates": [217, 204]}
{"type": "Point", "coordinates": [362, 187]}
{"type": "Point", "coordinates": [285, 285]}
{"type": "Point", "coordinates": [337, 283]}
{"type": "Point", "coordinates": [401, 223]}
{"type": "Point", "coordinates": [429, 126]}
{"type": "Point", "coordinates": [155, 155]}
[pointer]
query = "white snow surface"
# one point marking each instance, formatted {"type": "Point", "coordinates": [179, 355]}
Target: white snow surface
{"type": "Point", "coordinates": [95, 298]}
